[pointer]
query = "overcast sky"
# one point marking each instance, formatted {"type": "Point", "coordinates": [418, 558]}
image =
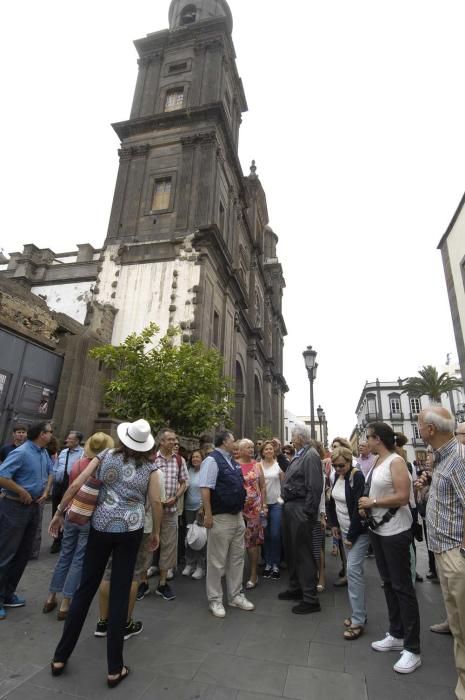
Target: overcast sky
{"type": "Point", "coordinates": [356, 121]}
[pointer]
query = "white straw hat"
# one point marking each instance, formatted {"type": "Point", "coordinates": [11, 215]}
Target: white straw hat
{"type": "Point", "coordinates": [137, 436]}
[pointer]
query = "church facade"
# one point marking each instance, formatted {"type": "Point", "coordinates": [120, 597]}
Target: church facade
{"type": "Point", "coordinates": [188, 241]}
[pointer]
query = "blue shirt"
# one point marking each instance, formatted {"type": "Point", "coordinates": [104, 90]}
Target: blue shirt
{"type": "Point", "coordinates": [28, 466]}
{"type": "Point", "coordinates": [59, 469]}
{"type": "Point", "coordinates": [209, 470]}
{"type": "Point", "coordinates": [193, 499]}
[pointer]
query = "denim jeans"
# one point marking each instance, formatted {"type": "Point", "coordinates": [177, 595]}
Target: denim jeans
{"type": "Point", "coordinates": [272, 543]}
{"type": "Point", "coordinates": [355, 578]}
{"type": "Point", "coordinates": [18, 527]}
{"type": "Point", "coordinates": [67, 574]}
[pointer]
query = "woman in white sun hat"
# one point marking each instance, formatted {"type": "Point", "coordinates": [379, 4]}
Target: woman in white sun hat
{"type": "Point", "coordinates": [117, 525]}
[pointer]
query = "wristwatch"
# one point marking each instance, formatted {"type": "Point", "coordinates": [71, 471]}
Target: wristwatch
{"type": "Point", "coordinates": [375, 501]}
{"type": "Point", "coordinates": [462, 551]}
{"type": "Point", "coordinates": [59, 508]}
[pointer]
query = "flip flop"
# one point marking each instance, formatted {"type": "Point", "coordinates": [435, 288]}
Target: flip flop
{"type": "Point", "coordinates": [113, 682]}
{"type": "Point", "coordinates": [352, 633]}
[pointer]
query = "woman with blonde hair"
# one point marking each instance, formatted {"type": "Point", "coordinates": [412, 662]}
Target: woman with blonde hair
{"type": "Point", "coordinates": [67, 573]}
{"type": "Point", "coordinates": [274, 503]}
{"type": "Point", "coordinates": [347, 526]}
{"type": "Point", "coordinates": [255, 508]}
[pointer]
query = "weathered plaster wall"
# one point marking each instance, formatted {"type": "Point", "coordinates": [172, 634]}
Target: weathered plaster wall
{"type": "Point", "coordinates": [68, 298]}
{"type": "Point", "coordinates": [163, 292]}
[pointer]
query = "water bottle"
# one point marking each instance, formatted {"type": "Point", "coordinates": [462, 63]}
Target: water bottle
{"type": "Point", "coordinates": [263, 519]}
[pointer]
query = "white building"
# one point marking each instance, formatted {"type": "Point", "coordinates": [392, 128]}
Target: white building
{"type": "Point", "coordinates": [385, 401]}
{"type": "Point", "coordinates": [290, 420]}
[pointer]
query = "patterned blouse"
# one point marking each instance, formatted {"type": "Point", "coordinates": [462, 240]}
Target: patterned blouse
{"type": "Point", "coordinates": [121, 501]}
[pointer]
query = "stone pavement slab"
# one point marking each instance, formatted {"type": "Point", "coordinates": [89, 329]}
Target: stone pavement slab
{"type": "Point", "coordinates": [184, 652]}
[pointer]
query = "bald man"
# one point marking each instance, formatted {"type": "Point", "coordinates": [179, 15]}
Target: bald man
{"type": "Point", "coordinates": [445, 517]}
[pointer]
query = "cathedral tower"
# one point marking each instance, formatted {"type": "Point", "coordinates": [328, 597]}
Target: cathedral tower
{"type": "Point", "coordinates": [188, 241]}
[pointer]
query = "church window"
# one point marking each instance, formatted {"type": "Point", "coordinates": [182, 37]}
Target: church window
{"type": "Point", "coordinates": [222, 218]}
{"type": "Point", "coordinates": [216, 329]}
{"type": "Point", "coordinates": [189, 14]}
{"type": "Point", "coordinates": [178, 67]}
{"type": "Point", "coordinates": [161, 194]}
{"type": "Point", "coordinates": [174, 99]}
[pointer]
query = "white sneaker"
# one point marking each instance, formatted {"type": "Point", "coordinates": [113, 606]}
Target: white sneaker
{"type": "Point", "coordinates": [408, 662]}
{"type": "Point", "coordinates": [188, 569]}
{"type": "Point", "coordinates": [217, 609]}
{"type": "Point", "coordinates": [240, 601]}
{"type": "Point", "coordinates": [389, 643]}
{"type": "Point", "coordinates": [198, 573]}
{"type": "Point", "coordinates": [151, 571]}
{"type": "Point", "coordinates": [170, 575]}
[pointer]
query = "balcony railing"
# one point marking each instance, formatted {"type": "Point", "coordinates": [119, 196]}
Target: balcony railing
{"type": "Point", "coordinates": [397, 416]}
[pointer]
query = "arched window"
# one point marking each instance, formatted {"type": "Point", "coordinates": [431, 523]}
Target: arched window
{"type": "Point", "coordinates": [189, 14]}
{"type": "Point", "coordinates": [258, 410]}
{"type": "Point", "coordinates": [239, 401]}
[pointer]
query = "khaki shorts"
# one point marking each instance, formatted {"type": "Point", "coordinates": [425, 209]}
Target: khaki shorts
{"type": "Point", "coordinates": [142, 561]}
{"type": "Point", "coordinates": [168, 541]}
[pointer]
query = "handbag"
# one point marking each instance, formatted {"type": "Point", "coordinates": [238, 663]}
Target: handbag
{"type": "Point", "coordinates": [85, 502]}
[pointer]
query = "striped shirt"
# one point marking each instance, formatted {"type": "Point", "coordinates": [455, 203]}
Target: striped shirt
{"type": "Point", "coordinates": [446, 501]}
{"type": "Point", "coordinates": [173, 474]}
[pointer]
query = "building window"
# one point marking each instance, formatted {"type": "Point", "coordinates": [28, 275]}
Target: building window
{"type": "Point", "coordinates": [188, 14]}
{"type": "Point", "coordinates": [415, 406]}
{"type": "Point", "coordinates": [174, 99]}
{"type": "Point", "coordinates": [222, 218]}
{"type": "Point", "coordinates": [178, 67]}
{"type": "Point", "coordinates": [395, 405]}
{"type": "Point", "coordinates": [371, 405]}
{"type": "Point", "coordinates": [416, 431]}
{"type": "Point", "coordinates": [161, 194]}
{"type": "Point", "coordinates": [216, 329]}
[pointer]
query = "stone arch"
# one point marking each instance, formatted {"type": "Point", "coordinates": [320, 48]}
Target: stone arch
{"type": "Point", "coordinates": [188, 14]}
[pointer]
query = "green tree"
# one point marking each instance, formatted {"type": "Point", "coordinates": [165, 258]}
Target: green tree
{"type": "Point", "coordinates": [181, 386]}
{"type": "Point", "coordinates": [430, 383]}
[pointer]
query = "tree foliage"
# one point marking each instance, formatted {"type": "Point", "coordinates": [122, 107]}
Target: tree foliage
{"type": "Point", "coordinates": [181, 386]}
{"type": "Point", "coordinates": [430, 383]}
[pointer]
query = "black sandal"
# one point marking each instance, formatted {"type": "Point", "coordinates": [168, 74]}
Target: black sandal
{"type": "Point", "coordinates": [353, 632]}
{"type": "Point", "coordinates": [57, 670]}
{"type": "Point", "coordinates": [113, 682]}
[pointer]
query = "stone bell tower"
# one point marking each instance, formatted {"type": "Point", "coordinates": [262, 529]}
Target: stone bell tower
{"type": "Point", "coordinates": [188, 242]}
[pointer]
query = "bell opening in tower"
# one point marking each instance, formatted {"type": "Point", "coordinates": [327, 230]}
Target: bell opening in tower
{"type": "Point", "coordinates": [188, 14]}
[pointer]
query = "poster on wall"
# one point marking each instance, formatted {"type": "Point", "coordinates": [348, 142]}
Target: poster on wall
{"type": "Point", "coordinates": [36, 399]}
{"type": "Point", "coordinates": [4, 380]}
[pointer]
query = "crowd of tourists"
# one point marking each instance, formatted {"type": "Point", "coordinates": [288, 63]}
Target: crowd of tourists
{"type": "Point", "coordinates": [122, 514]}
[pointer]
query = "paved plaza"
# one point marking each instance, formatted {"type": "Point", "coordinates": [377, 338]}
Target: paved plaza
{"type": "Point", "coordinates": [185, 653]}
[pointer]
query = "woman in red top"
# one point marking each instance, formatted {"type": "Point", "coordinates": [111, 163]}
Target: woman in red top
{"type": "Point", "coordinates": [255, 508]}
{"type": "Point", "coordinates": [67, 573]}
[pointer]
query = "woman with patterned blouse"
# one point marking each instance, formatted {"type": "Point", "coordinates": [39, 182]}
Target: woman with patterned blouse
{"type": "Point", "coordinates": [117, 525]}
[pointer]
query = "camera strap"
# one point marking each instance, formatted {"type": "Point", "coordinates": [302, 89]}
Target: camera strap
{"type": "Point", "coordinates": [374, 524]}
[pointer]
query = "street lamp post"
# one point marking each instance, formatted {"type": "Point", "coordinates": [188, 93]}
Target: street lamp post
{"type": "Point", "coordinates": [325, 430]}
{"type": "Point", "coordinates": [320, 414]}
{"type": "Point", "coordinates": [311, 366]}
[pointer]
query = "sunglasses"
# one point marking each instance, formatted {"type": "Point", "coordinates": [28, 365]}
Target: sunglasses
{"type": "Point", "coordinates": [339, 466]}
